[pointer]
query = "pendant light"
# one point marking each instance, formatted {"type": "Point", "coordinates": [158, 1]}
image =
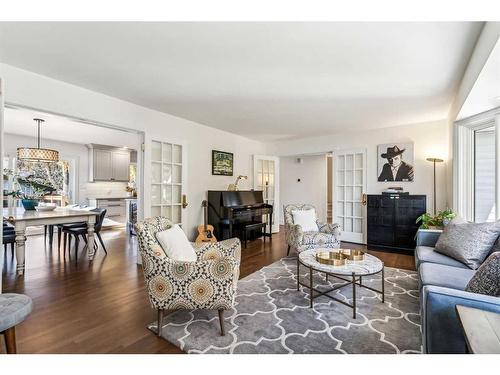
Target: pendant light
{"type": "Point", "coordinates": [38, 154]}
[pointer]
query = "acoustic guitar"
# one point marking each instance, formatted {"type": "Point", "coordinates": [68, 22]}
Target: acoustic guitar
{"type": "Point", "coordinates": [205, 231]}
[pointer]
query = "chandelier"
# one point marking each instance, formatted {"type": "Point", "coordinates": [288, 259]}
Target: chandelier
{"type": "Point", "coordinates": [38, 154]}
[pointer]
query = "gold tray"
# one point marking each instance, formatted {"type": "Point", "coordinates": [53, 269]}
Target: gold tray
{"type": "Point", "coordinates": [339, 257]}
{"type": "Point", "coordinates": [353, 254]}
{"type": "Point", "coordinates": [332, 258]}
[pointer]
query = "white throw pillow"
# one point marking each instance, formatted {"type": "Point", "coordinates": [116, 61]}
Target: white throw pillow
{"type": "Point", "coordinates": [306, 219]}
{"type": "Point", "coordinates": [176, 245]}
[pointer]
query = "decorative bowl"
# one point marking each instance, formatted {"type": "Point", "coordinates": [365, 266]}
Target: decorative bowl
{"type": "Point", "coordinates": [46, 206]}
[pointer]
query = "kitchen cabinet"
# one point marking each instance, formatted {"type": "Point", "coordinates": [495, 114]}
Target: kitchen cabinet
{"type": "Point", "coordinates": [108, 163]}
{"type": "Point", "coordinates": [115, 208]}
{"type": "Point", "coordinates": [120, 161]}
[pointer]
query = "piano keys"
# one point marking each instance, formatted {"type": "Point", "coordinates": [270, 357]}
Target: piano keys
{"type": "Point", "coordinates": [228, 210]}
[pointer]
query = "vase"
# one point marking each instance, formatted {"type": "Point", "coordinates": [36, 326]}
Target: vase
{"type": "Point", "coordinates": [29, 204]}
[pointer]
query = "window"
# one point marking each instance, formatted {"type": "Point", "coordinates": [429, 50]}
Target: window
{"type": "Point", "coordinates": [484, 175]}
{"type": "Point", "coordinates": [476, 158]}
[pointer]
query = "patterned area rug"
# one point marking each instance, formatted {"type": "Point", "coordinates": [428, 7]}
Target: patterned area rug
{"type": "Point", "coordinates": [271, 316]}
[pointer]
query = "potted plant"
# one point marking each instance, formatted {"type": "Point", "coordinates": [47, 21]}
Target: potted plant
{"type": "Point", "coordinates": [27, 188]}
{"type": "Point", "coordinates": [438, 221]}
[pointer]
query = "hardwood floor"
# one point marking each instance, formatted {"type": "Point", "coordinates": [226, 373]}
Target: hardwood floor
{"type": "Point", "coordinates": [103, 307]}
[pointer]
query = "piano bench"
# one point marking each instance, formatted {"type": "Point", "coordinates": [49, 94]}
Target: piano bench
{"type": "Point", "coordinates": [247, 227]}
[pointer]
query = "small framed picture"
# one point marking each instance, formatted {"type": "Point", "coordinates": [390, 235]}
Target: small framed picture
{"type": "Point", "coordinates": [222, 163]}
{"type": "Point", "coordinates": [395, 162]}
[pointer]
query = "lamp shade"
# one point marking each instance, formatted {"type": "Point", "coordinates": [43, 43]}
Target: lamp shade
{"type": "Point", "coordinates": [37, 154]}
{"type": "Point", "coordinates": [435, 160]}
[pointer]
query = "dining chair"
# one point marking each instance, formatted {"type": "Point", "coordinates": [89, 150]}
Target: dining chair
{"type": "Point", "coordinates": [78, 230]}
{"type": "Point", "coordinates": [8, 237]}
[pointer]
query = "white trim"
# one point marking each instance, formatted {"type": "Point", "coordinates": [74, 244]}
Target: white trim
{"type": "Point", "coordinates": [276, 194]}
{"type": "Point", "coordinates": [497, 167]}
{"type": "Point", "coordinates": [478, 118]}
{"type": "Point", "coordinates": [463, 160]}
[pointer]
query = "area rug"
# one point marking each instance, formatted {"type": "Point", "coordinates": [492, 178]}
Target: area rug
{"type": "Point", "coordinates": [271, 316]}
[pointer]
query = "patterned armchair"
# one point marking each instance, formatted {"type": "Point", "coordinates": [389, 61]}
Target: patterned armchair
{"type": "Point", "coordinates": [208, 283]}
{"type": "Point", "coordinates": [327, 236]}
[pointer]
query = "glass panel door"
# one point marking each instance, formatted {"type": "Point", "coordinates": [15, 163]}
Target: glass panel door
{"type": "Point", "coordinates": [349, 185]}
{"type": "Point", "coordinates": [266, 178]}
{"type": "Point", "coordinates": [167, 180]}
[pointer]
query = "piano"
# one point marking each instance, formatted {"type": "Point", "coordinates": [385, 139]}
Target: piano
{"type": "Point", "coordinates": [242, 210]}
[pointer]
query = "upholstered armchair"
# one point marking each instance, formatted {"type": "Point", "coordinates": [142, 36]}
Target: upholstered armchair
{"type": "Point", "coordinates": [327, 236]}
{"type": "Point", "coordinates": [208, 283]}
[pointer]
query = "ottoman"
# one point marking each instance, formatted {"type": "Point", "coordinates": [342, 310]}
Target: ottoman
{"type": "Point", "coordinates": [14, 308]}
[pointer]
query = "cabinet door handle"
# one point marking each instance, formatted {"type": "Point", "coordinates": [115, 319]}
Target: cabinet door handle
{"type": "Point", "coordinates": [184, 201]}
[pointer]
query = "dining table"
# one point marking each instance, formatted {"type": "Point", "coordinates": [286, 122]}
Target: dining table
{"type": "Point", "coordinates": [21, 219]}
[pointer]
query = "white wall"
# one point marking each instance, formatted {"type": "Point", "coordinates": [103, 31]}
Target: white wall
{"type": "Point", "coordinates": [311, 189]}
{"type": "Point", "coordinates": [40, 92]}
{"type": "Point", "coordinates": [430, 139]}
{"type": "Point", "coordinates": [79, 153]}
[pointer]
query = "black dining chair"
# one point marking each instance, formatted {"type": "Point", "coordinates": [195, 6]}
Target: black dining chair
{"type": "Point", "coordinates": [8, 237]}
{"type": "Point", "coordinates": [77, 231]}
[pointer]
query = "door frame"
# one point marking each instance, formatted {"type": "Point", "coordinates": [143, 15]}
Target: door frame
{"type": "Point", "coordinates": [140, 145]}
{"type": "Point", "coordinates": [463, 161]}
{"type": "Point", "coordinates": [276, 206]}
{"type": "Point", "coordinates": [363, 188]}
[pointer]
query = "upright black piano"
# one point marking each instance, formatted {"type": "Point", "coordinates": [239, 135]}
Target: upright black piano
{"type": "Point", "coordinates": [228, 210]}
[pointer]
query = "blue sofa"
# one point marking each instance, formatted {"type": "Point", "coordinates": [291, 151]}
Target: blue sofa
{"type": "Point", "coordinates": [442, 282]}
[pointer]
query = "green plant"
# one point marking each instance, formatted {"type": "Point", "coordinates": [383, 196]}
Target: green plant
{"type": "Point", "coordinates": [26, 186]}
{"type": "Point", "coordinates": [439, 220]}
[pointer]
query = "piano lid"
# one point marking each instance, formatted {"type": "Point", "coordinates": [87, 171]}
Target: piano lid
{"type": "Point", "coordinates": [241, 198]}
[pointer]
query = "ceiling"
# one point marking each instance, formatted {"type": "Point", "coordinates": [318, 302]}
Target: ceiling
{"type": "Point", "coordinates": [20, 121]}
{"type": "Point", "coordinates": [267, 81]}
{"type": "Point", "coordinates": [485, 93]}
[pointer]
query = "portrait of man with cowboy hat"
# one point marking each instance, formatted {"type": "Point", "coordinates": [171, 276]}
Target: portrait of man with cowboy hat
{"type": "Point", "coordinates": [395, 169]}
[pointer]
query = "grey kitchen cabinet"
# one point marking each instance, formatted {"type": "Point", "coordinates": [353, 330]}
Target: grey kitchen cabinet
{"type": "Point", "coordinates": [120, 162]}
{"type": "Point", "coordinates": [115, 208]}
{"type": "Point", "coordinates": [102, 165]}
{"type": "Point", "coordinates": [108, 163]}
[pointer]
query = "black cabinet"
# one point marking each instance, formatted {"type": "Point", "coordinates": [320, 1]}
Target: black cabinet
{"type": "Point", "coordinates": [391, 220]}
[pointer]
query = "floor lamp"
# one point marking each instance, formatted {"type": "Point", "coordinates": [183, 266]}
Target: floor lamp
{"type": "Point", "coordinates": [434, 161]}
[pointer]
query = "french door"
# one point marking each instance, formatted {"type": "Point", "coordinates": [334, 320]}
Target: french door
{"type": "Point", "coordinates": [349, 188]}
{"type": "Point", "coordinates": [266, 178]}
{"type": "Point", "coordinates": [168, 178]}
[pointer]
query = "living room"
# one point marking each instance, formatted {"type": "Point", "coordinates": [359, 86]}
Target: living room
{"type": "Point", "coordinates": [299, 187]}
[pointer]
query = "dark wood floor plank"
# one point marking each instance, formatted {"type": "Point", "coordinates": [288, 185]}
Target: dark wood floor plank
{"type": "Point", "coordinates": [102, 307]}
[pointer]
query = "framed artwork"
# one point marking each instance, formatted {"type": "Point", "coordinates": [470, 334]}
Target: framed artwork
{"type": "Point", "coordinates": [222, 163]}
{"type": "Point", "coordinates": [395, 162]}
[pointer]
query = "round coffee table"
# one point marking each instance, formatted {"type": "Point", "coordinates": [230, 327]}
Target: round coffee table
{"type": "Point", "coordinates": [352, 272]}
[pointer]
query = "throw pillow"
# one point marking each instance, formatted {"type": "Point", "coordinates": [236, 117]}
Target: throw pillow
{"type": "Point", "coordinates": [469, 243]}
{"type": "Point", "coordinates": [176, 245]}
{"type": "Point", "coordinates": [486, 280]}
{"type": "Point", "coordinates": [306, 219]}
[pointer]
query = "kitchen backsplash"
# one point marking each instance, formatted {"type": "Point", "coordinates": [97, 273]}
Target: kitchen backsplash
{"type": "Point", "coordinates": [103, 189]}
